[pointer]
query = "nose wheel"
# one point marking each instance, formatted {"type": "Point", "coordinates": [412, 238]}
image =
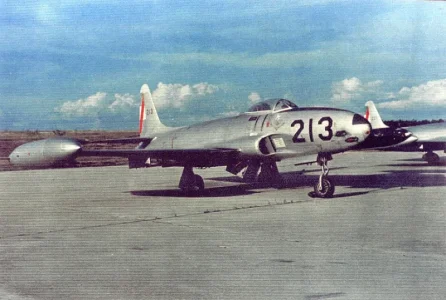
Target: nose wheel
{"type": "Point", "coordinates": [325, 187]}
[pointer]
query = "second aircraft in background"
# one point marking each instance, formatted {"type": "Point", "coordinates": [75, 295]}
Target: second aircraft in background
{"type": "Point", "coordinates": [421, 138]}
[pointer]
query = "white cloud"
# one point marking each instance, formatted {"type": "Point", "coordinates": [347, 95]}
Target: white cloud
{"type": "Point", "coordinates": [203, 88]}
{"type": "Point", "coordinates": [254, 97]}
{"type": "Point", "coordinates": [176, 94]}
{"type": "Point", "coordinates": [346, 90]}
{"type": "Point", "coordinates": [123, 103]}
{"type": "Point", "coordinates": [374, 84]}
{"type": "Point", "coordinates": [432, 93]}
{"type": "Point", "coordinates": [353, 89]}
{"type": "Point", "coordinates": [83, 107]}
{"type": "Point", "coordinates": [165, 95]}
{"type": "Point", "coordinates": [98, 103]}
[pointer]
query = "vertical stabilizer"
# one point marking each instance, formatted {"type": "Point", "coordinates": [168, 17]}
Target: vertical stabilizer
{"type": "Point", "coordinates": [149, 122]}
{"type": "Point", "coordinates": [372, 115]}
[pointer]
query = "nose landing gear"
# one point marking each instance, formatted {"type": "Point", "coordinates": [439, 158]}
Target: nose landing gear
{"type": "Point", "coordinates": [325, 187]}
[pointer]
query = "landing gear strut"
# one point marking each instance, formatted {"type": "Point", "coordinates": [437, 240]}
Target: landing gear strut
{"type": "Point", "coordinates": [324, 188]}
{"type": "Point", "coordinates": [191, 183]}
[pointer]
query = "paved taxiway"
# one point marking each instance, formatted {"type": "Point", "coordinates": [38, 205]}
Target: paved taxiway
{"type": "Point", "coordinates": [115, 233]}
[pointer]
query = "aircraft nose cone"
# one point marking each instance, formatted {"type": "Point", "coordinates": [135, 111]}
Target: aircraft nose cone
{"type": "Point", "coordinates": [69, 147]}
{"type": "Point", "coordinates": [409, 140]}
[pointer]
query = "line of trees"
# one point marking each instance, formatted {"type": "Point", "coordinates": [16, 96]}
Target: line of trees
{"type": "Point", "coordinates": [406, 123]}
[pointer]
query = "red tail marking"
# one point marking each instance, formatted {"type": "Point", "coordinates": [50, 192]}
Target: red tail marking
{"type": "Point", "coordinates": [367, 113]}
{"type": "Point", "coordinates": [141, 115]}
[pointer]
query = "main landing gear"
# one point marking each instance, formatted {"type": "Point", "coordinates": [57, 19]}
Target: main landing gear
{"type": "Point", "coordinates": [191, 183]}
{"type": "Point", "coordinates": [325, 187]}
{"type": "Point", "coordinates": [431, 158]}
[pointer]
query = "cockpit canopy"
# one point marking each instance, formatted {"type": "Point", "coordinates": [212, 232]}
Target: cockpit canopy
{"type": "Point", "coordinates": [273, 105]}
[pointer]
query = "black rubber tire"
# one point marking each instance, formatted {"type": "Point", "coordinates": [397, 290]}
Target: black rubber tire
{"type": "Point", "coordinates": [431, 158]}
{"type": "Point", "coordinates": [328, 188]}
{"type": "Point", "coordinates": [194, 189]}
{"type": "Point", "coordinates": [199, 183]}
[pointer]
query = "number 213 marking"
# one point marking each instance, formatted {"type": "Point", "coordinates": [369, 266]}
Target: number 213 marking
{"type": "Point", "coordinates": [325, 137]}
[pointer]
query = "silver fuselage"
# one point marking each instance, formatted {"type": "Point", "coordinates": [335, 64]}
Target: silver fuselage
{"type": "Point", "coordinates": [298, 132]}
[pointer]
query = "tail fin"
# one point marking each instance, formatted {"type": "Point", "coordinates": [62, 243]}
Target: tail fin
{"type": "Point", "coordinates": [149, 122]}
{"type": "Point", "coordinates": [372, 115]}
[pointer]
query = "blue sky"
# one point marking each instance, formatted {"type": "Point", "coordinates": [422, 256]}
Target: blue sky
{"type": "Point", "coordinates": [80, 64]}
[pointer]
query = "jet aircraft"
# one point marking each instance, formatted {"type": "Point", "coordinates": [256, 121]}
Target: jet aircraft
{"type": "Point", "coordinates": [421, 138]}
{"type": "Point", "coordinates": [253, 141]}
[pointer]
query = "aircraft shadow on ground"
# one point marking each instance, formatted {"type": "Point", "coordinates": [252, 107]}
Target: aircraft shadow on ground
{"type": "Point", "coordinates": [416, 165]}
{"type": "Point", "coordinates": [390, 179]}
{"type": "Point", "coordinates": [213, 192]}
{"type": "Point", "coordinates": [290, 180]}
{"type": "Point", "coordinates": [416, 162]}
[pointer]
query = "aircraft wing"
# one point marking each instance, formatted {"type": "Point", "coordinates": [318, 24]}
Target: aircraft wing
{"type": "Point", "coordinates": [161, 153]}
{"type": "Point", "coordinates": [429, 133]}
{"type": "Point", "coordinates": [228, 152]}
{"type": "Point", "coordinates": [51, 151]}
{"type": "Point", "coordinates": [438, 139]}
{"type": "Point", "coordinates": [129, 140]}
{"type": "Point", "coordinates": [171, 157]}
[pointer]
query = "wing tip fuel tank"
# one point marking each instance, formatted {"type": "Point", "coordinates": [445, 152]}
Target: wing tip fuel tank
{"type": "Point", "coordinates": [45, 153]}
